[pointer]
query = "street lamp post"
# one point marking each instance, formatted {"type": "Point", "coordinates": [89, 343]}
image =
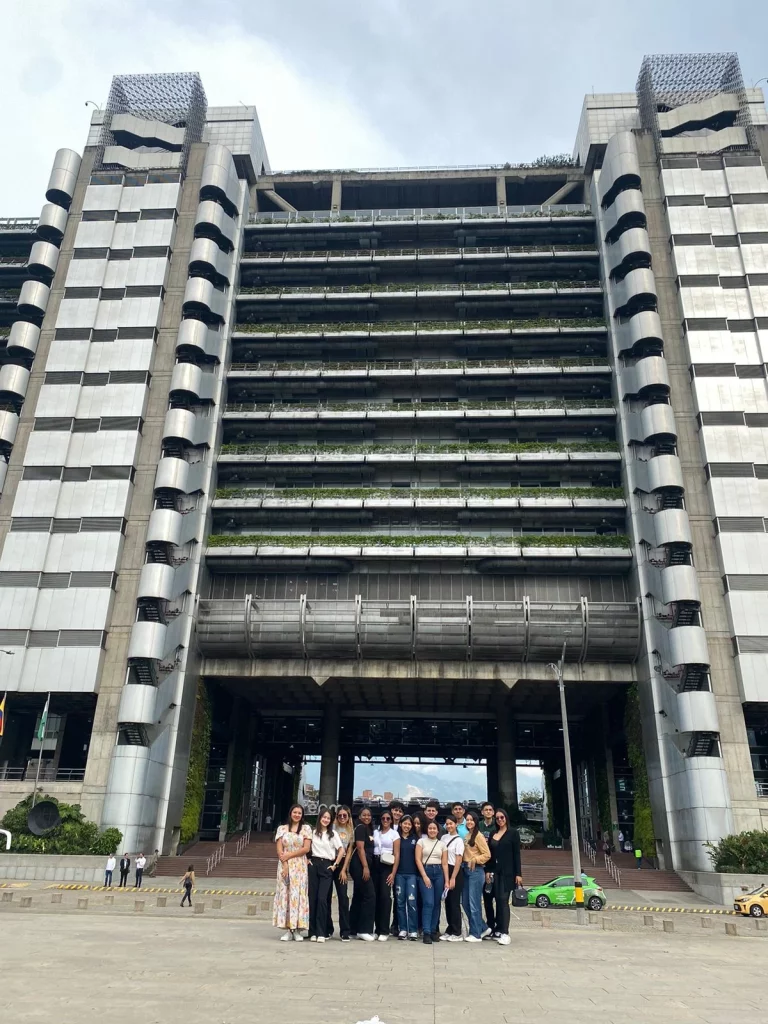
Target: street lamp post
{"type": "Point", "coordinates": [575, 851]}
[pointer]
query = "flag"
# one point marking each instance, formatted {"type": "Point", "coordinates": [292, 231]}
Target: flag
{"type": "Point", "coordinates": [43, 720]}
{"type": "Point", "coordinates": [2, 714]}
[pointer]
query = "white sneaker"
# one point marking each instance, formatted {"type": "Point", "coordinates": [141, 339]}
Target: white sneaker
{"type": "Point", "coordinates": [287, 937]}
{"type": "Point", "coordinates": [298, 937]}
{"type": "Point", "coordinates": [383, 938]}
{"type": "Point", "coordinates": [503, 940]}
{"type": "Point", "coordinates": [320, 938]}
{"type": "Point", "coordinates": [444, 938]}
{"type": "Point", "coordinates": [486, 934]}
{"type": "Point", "coordinates": [413, 936]}
{"type": "Point", "coordinates": [453, 938]}
{"type": "Point", "coordinates": [402, 935]}
{"type": "Point", "coordinates": [472, 938]}
{"type": "Point", "coordinates": [313, 938]}
{"type": "Point", "coordinates": [367, 938]}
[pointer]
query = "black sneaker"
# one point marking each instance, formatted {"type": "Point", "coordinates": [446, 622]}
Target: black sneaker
{"type": "Point", "coordinates": [435, 936]}
{"type": "Point", "coordinates": [345, 938]}
{"type": "Point", "coordinates": [427, 940]}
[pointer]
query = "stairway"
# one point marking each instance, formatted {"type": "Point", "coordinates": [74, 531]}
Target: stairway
{"type": "Point", "coordinates": [258, 860]}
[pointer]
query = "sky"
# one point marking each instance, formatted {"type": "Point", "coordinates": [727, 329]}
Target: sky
{"type": "Point", "coordinates": [339, 83]}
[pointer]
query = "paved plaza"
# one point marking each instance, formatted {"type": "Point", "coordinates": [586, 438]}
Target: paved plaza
{"type": "Point", "coordinates": [109, 961]}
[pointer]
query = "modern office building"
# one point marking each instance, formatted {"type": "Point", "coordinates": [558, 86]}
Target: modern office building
{"type": "Point", "coordinates": [333, 463]}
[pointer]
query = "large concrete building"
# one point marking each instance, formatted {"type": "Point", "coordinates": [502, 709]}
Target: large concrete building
{"type": "Point", "coordinates": [332, 464]}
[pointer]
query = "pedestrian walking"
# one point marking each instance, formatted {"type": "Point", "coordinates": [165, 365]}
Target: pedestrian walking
{"type": "Point", "coordinates": [454, 848]}
{"type": "Point", "coordinates": [407, 882]}
{"type": "Point", "coordinates": [342, 822]}
{"type": "Point", "coordinates": [638, 857]}
{"type": "Point", "coordinates": [386, 854]}
{"type": "Point", "coordinates": [432, 865]}
{"type": "Point", "coordinates": [476, 856]}
{"type": "Point", "coordinates": [363, 910]}
{"type": "Point", "coordinates": [125, 867]}
{"type": "Point", "coordinates": [111, 865]}
{"type": "Point", "coordinates": [141, 863]}
{"type": "Point", "coordinates": [188, 881]}
{"type": "Point", "coordinates": [291, 907]}
{"type": "Point", "coordinates": [505, 869]}
{"type": "Point", "coordinates": [326, 854]}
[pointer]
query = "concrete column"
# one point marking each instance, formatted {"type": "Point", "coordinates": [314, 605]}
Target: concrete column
{"type": "Point", "coordinates": [231, 751]}
{"type": "Point", "coordinates": [501, 190]}
{"type": "Point", "coordinates": [329, 757]}
{"type": "Point", "coordinates": [492, 776]}
{"type": "Point", "coordinates": [336, 193]}
{"type": "Point", "coordinates": [507, 762]}
{"type": "Point", "coordinates": [611, 780]}
{"type": "Point", "coordinates": [347, 778]}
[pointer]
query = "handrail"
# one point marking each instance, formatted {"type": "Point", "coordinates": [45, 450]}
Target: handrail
{"type": "Point", "coordinates": [588, 851]}
{"type": "Point", "coordinates": [215, 858]}
{"type": "Point", "coordinates": [612, 870]}
{"type": "Point", "coordinates": [420, 252]}
{"type": "Point", "coordinates": [455, 213]}
{"type": "Point", "coordinates": [242, 842]}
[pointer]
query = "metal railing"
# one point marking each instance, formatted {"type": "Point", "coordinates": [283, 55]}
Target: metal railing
{"type": "Point", "coordinates": [589, 853]}
{"type": "Point", "coordinates": [422, 365]}
{"type": "Point", "coordinates": [242, 842]}
{"type": "Point", "coordinates": [585, 248]}
{"type": "Point", "coordinates": [460, 405]}
{"type": "Point", "coordinates": [447, 213]}
{"type": "Point", "coordinates": [613, 871]}
{"type": "Point", "coordinates": [26, 774]}
{"type": "Point", "coordinates": [545, 163]}
{"type": "Point", "coordinates": [407, 288]}
{"type": "Point", "coordinates": [215, 858]}
{"type": "Point", "coordinates": [761, 788]}
{"type": "Point", "coordinates": [18, 223]}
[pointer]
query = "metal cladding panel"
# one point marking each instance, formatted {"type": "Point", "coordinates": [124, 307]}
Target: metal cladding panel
{"type": "Point", "coordinates": [620, 161]}
{"type": "Point", "coordinates": [442, 630]}
{"type": "Point", "coordinates": [613, 632]}
{"type": "Point", "coordinates": [196, 335]}
{"type": "Point", "coordinates": [9, 424]}
{"type": "Point", "coordinates": [223, 628]}
{"type": "Point", "coordinates": [219, 177]}
{"type": "Point", "coordinates": [164, 527]}
{"type": "Point", "coordinates": [657, 420]}
{"type": "Point", "coordinates": [200, 293]}
{"type": "Point", "coordinates": [52, 223]}
{"type": "Point", "coordinates": [330, 629]}
{"type": "Point", "coordinates": [43, 260]}
{"type": "Point", "coordinates": [137, 704]}
{"type": "Point", "coordinates": [688, 646]}
{"type": "Point", "coordinates": [664, 471]}
{"type": "Point", "coordinates": [156, 580]}
{"type": "Point", "coordinates": [386, 629]}
{"type": "Point", "coordinates": [276, 629]}
{"type": "Point", "coordinates": [23, 338]}
{"type": "Point", "coordinates": [499, 631]}
{"type": "Point", "coordinates": [14, 380]}
{"type": "Point", "coordinates": [148, 131]}
{"type": "Point", "coordinates": [679, 583]}
{"type": "Point", "coordinates": [61, 184]}
{"type": "Point", "coordinates": [672, 526]}
{"type": "Point", "coordinates": [627, 204]}
{"type": "Point", "coordinates": [630, 243]}
{"type": "Point", "coordinates": [205, 255]}
{"type": "Point", "coordinates": [33, 298]}
{"type": "Point", "coordinates": [648, 373]}
{"type": "Point", "coordinates": [642, 327]}
{"type": "Point", "coordinates": [147, 640]}
{"type": "Point", "coordinates": [697, 711]}
{"type": "Point", "coordinates": [173, 475]}
{"type": "Point", "coordinates": [212, 221]}
{"type": "Point", "coordinates": [550, 625]}
{"type": "Point", "coordinates": [637, 285]}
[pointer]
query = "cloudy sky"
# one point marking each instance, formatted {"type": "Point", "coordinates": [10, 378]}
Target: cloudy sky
{"type": "Point", "coordinates": [343, 83]}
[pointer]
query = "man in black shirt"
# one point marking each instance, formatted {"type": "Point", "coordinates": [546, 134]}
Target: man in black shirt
{"type": "Point", "coordinates": [431, 811]}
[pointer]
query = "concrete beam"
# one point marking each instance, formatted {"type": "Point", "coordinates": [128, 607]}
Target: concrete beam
{"type": "Point", "coordinates": [279, 201]}
{"type": "Point", "coordinates": [561, 193]}
{"type": "Point", "coordinates": [501, 190]}
{"type": "Point", "coordinates": [336, 193]}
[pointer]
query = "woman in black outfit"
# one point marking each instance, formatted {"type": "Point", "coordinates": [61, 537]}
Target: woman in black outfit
{"type": "Point", "coordinates": [362, 911]}
{"type": "Point", "coordinates": [506, 871]}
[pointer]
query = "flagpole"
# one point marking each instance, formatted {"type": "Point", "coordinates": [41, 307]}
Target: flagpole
{"type": "Point", "coordinates": [43, 727]}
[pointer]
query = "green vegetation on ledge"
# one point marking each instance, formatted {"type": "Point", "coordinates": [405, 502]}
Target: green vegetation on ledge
{"type": "Point", "coordinates": [426, 448]}
{"type": "Point", "coordinates": [408, 327]}
{"type": "Point", "coordinates": [535, 540]}
{"type": "Point", "coordinates": [363, 493]}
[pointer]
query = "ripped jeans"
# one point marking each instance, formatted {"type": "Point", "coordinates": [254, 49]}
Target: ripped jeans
{"type": "Point", "coordinates": [406, 889]}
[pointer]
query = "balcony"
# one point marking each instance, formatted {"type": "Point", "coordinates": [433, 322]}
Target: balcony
{"type": "Point", "coordinates": [505, 327]}
{"type": "Point", "coordinates": [456, 215]}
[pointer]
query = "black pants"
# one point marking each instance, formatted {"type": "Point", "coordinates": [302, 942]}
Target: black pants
{"type": "Point", "coordinates": [320, 882]}
{"type": "Point", "coordinates": [342, 899]}
{"type": "Point", "coordinates": [490, 913]}
{"type": "Point", "coordinates": [363, 909]}
{"type": "Point", "coordinates": [453, 904]}
{"type": "Point", "coordinates": [383, 915]}
{"type": "Point", "coordinates": [502, 889]}
{"type": "Point", "coordinates": [187, 894]}
{"type": "Point", "coordinates": [139, 876]}
{"type": "Point", "coordinates": [123, 879]}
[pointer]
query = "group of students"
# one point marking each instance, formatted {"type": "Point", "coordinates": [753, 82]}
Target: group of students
{"type": "Point", "coordinates": [471, 862]}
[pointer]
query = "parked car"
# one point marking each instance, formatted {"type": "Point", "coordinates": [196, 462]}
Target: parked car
{"type": "Point", "coordinates": [754, 904]}
{"type": "Point", "coordinates": [562, 892]}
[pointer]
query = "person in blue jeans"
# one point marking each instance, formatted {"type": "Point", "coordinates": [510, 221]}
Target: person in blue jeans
{"type": "Point", "coordinates": [406, 882]}
{"type": "Point", "coordinates": [432, 865]}
{"type": "Point", "coordinates": [476, 856]}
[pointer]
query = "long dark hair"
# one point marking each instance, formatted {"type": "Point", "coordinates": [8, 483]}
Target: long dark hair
{"type": "Point", "coordinates": [369, 825]}
{"type": "Point", "coordinates": [288, 821]}
{"type": "Point", "coordinates": [475, 829]}
{"type": "Point", "coordinates": [409, 819]}
{"type": "Point", "coordinates": [500, 810]}
{"type": "Point", "coordinates": [418, 831]}
{"type": "Point", "coordinates": [321, 811]}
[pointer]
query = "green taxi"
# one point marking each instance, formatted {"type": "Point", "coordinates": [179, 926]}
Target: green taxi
{"type": "Point", "coordinates": [562, 892]}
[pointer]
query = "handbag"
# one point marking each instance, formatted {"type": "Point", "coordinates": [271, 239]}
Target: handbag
{"type": "Point", "coordinates": [387, 857]}
{"type": "Point", "coordinates": [520, 897]}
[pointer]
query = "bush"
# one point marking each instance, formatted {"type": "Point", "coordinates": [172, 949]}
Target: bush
{"type": "Point", "coordinates": [744, 853]}
{"type": "Point", "coordinates": [75, 835]}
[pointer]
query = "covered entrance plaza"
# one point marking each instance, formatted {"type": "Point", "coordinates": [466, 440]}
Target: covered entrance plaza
{"type": "Point", "coordinates": [266, 724]}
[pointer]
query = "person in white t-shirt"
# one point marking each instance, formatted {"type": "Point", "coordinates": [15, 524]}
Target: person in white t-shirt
{"type": "Point", "coordinates": [141, 863]}
{"type": "Point", "coordinates": [386, 857]}
{"type": "Point", "coordinates": [454, 845]}
{"type": "Point", "coordinates": [111, 865]}
{"type": "Point", "coordinates": [325, 856]}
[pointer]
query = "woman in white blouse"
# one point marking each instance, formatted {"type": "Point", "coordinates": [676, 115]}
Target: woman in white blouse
{"type": "Point", "coordinates": [386, 857]}
{"type": "Point", "coordinates": [325, 856]}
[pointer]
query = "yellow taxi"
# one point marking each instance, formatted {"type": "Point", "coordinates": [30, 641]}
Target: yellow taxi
{"type": "Point", "coordinates": [754, 904]}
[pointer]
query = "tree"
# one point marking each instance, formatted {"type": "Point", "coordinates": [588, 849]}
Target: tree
{"type": "Point", "coordinates": [74, 835]}
{"type": "Point", "coordinates": [744, 853]}
{"type": "Point", "coordinates": [532, 796]}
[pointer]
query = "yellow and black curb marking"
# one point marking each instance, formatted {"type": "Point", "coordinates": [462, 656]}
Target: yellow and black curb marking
{"type": "Point", "coordinates": [83, 886]}
{"type": "Point", "coordinates": [674, 910]}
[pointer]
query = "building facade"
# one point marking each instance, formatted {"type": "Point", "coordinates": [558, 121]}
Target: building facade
{"type": "Point", "coordinates": [336, 463]}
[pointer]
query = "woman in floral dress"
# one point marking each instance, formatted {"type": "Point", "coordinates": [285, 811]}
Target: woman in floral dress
{"type": "Point", "coordinates": [291, 909]}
